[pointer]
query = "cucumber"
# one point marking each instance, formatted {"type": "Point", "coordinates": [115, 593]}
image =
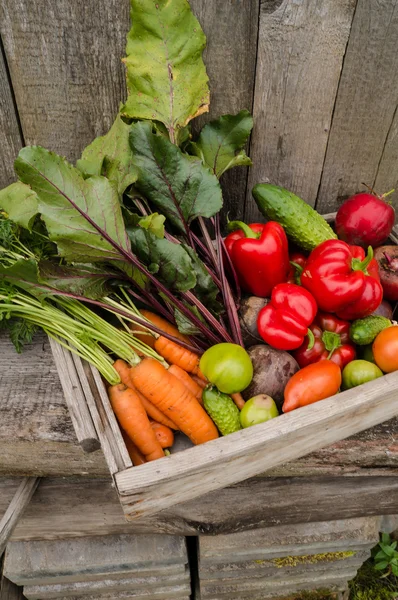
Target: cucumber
{"type": "Point", "coordinates": [222, 409]}
{"type": "Point", "coordinates": [364, 331]}
{"type": "Point", "coordinates": [303, 225]}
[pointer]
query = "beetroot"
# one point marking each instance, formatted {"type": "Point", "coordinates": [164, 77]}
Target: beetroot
{"type": "Point", "coordinates": [387, 257]}
{"type": "Point", "coordinates": [365, 220]}
{"type": "Point", "coordinates": [384, 309]}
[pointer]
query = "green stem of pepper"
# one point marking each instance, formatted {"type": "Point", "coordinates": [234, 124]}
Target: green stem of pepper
{"type": "Point", "coordinates": [297, 273]}
{"type": "Point", "coordinates": [332, 341]}
{"type": "Point", "coordinates": [362, 265]}
{"type": "Point", "coordinates": [311, 340]}
{"type": "Point", "coordinates": [249, 233]}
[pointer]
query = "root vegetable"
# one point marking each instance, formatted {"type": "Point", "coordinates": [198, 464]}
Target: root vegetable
{"type": "Point", "coordinates": [272, 371]}
{"type": "Point", "coordinates": [248, 313]}
{"type": "Point", "coordinates": [387, 257]}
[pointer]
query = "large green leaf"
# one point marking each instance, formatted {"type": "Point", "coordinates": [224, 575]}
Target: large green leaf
{"type": "Point", "coordinates": [83, 216]}
{"type": "Point", "coordinates": [82, 280]}
{"type": "Point", "coordinates": [220, 143]}
{"type": "Point", "coordinates": [111, 156]}
{"type": "Point", "coordinates": [168, 260]}
{"type": "Point", "coordinates": [20, 203]}
{"type": "Point", "coordinates": [24, 274]}
{"type": "Point", "coordinates": [166, 76]}
{"type": "Point", "coordinates": [180, 186]}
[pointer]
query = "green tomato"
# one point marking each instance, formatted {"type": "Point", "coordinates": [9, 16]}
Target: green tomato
{"type": "Point", "coordinates": [228, 366]}
{"type": "Point", "coordinates": [358, 372]}
{"type": "Point", "coordinates": [257, 410]}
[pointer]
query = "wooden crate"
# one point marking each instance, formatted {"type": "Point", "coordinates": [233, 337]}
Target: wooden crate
{"type": "Point", "coordinates": [195, 471]}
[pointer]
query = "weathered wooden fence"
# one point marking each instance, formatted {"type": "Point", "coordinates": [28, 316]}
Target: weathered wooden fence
{"type": "Point", "coordinates": [321, 77]}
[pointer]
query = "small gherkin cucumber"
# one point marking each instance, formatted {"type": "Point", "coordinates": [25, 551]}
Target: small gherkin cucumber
{"type": "Point", "coordinates": [303, 225]}
{"type": "Point", "coordinates": [364, 331]}
{"type": "Point", "coordinates": [222, 409]}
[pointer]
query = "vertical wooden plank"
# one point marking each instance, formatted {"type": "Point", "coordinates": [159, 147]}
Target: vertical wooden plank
{"type": "Point", "coordinates": [231, 28]}
{"type": "Point", "coordinates": [17, 506]}
{"type": "Point", "coordinates": [365, 105]}
{"type": "Point", "coordinates": [75, 397]}
{"type": "Point", "coordinates": [65, 63]}
{"type": "Point", "coordinates": [300, 54]}
{"type": "Point", "coordinates": [10, 138]}
{"type": "Point", "coordinates": [387, 173]}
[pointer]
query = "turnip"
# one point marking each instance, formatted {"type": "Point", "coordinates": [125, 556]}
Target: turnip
{"type": "Point", "coordinates": [365, 220]}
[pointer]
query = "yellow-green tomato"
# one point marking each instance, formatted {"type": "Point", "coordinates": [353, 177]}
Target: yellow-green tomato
{"type": "Point", "coordinates": [228, 366]}
{"type": "Point", "coordinates": [358, 372]}
{"type": "Point", "coordinates": [257, 410]}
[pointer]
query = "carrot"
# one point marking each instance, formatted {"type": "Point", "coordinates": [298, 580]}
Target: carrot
{"type": "Point", "coordinates": [237, 398]}
{"type": "Point", "coordinates": [164, 325]}
{"type": "Point", "coordinates": [155, 413]}
{"type": "Point", "coordinates": [170, 395]}
{"type": "Point", "coordinates": [201, 382]}
{"type": "Point", "coordinates": [164, 435]}
{"type": "Point", "coordinates": [136, 456]}
{"type": "Point", "coordinates": [177, 355]}
{"type": "Point", "coordinates": [124, 371]}
{"type": "Point", "coordinates": [133, 419]}
{"type": "Point", "coordinates": [148, 337]}
{"type": "Point", "coordinates": [189, 383]}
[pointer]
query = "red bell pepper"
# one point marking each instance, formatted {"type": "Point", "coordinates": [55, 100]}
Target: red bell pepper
{"type": "Point", "coordinates": [259, 253]}
{"type": "Point", "coordinates": [297, 263]}
{"type": "Point", "coordinates": [332, 341]}
{"type": "Point", "coordinates": [284, 322]}
{"type": "Point", "coordinates": [342, 280]}
{"type": "Point", "coordinates": [372, 294]}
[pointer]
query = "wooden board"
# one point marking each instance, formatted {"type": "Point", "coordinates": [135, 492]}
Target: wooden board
{"type": "Point", "coordinates": [36, 433]}
{"type": "Point", "coordinates": [70, 508]}
{"type": "Point", "coordinates": [97, 558]}
{"type": "Point", "coordinates": [75, 394]}
{"type": "Point", "coordinates": [156, 486]}
{"type": "Point", "coordinates": [300, 54]}
{"type": "Point", "coordinates": [16, 508]}
{"type": "Point", "coordinates": [366, 103]}
{"type": "Point", "coordinates": [10, 135]}
{"type": "Point", "coordinates": [387, 176]}
{"type": "Point", "coordinates": [65, 63]}
{"type": "Point", "coordinates": [231, 69]}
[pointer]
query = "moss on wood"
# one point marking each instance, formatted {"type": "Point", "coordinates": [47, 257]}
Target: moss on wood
{"type": "Point", "coordinates": [293, 561]}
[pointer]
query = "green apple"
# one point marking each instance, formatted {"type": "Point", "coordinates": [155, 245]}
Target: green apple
{"type": "Point", "coordinates": [257, 410]}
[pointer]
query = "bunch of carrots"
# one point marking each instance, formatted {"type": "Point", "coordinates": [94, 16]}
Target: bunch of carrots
{"type": "Point", "coordinates": [153, 400]}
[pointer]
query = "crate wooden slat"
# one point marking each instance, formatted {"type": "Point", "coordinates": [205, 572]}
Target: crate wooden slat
{"type": "Point", "coordinates": [183, 476]}
{"type": "Point", "coordinates": [75, 394]}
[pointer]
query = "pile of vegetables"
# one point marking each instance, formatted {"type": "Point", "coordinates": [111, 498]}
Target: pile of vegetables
{"type": "Point", "coordinates": [122, 259]}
